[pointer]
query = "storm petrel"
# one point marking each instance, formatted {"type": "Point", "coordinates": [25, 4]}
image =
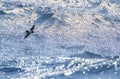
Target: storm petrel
{"type": "Point", "coordinates": [27, 33]}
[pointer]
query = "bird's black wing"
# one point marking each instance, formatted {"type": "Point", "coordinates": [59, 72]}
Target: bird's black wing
{"type": "Point", "coordinates": [32, 28]}
{"type": "Point", "coordinates": [27, 33]}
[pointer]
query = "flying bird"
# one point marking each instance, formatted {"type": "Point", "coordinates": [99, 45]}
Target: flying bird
{"type": "Point", "coordinates": [27, 33]}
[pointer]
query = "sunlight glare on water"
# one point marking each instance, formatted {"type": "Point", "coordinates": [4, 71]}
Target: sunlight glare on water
{"type": "Point", "coordinates": [72, 39]}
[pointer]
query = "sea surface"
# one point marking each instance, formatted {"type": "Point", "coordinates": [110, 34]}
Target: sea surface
{"type": "Point", "coordinates": [72, 39]}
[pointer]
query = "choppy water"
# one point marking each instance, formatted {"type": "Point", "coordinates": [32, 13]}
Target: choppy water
{"type": "Point", "coordinates": [73, 39]}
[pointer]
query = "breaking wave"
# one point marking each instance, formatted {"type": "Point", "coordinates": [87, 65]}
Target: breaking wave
{"type": "Point", "coordinates": [73, 39]}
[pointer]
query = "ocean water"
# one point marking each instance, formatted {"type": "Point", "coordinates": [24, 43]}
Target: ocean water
{"type": "Point", "coordinates": [72, 39]}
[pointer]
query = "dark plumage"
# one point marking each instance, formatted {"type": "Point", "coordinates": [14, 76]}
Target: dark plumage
{"type": "Point", "coordinates": [27, 33]}
{"type": "Point", "coordinates": [32, 28]}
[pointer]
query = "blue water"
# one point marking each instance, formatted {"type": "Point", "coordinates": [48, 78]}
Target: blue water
{"type": "Point", "coordinates": [72, 39]}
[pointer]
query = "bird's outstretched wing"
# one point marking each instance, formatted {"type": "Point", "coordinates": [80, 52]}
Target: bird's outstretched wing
{"type": "Point", "coordinates": [32, 28]}
{"type": "Point", "coordinates": [27, 33]}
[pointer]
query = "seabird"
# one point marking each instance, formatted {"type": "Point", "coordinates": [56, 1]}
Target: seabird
{"type": "Point", "coordinates": [27, 33]}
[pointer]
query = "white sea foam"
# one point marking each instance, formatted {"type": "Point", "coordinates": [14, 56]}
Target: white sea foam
{"type": "Point", "coordinates": [76, 26]}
